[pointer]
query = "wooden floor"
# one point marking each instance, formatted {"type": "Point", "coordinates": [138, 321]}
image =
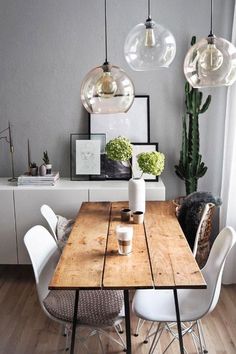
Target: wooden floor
{"type": "Point", "coordinates": [25, 329]}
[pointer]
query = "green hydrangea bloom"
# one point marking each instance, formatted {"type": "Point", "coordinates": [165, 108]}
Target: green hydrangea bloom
{"type": "Point", "coordinates": [119, 149]}
{"type": "Point", "coordinates": [151, 162]}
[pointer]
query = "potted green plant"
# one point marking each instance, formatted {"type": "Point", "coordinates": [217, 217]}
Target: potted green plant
{"type": "Point", "coordinates": [33, 169]}
{"type": "Point", "coordinates": [191, 167]}
{"type": "Point", "coordinates": [47, 162]}
{"type": "Point", "coordinates": [121, 149]}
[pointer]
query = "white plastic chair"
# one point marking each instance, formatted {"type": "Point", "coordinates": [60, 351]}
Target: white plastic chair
{"type": "Point", "coordinates": [158, 305]}
{"type": "Point", "coordinates": [51, 219]}
{"type": "Point", "coordinates": [200, 231]}
{"type": "Point", "coordinates": [44, 255]}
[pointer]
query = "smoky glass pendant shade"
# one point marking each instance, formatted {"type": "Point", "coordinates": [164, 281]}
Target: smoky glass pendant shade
{"type": "Point", "coordinates": [107, 89]}
{"type": "Point", "coordinates": [211, 62]}
{"type": "Point", "coordinates": [149, 46]}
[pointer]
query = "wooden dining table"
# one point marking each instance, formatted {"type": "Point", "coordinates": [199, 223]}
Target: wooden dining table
{"type": "Point", "coordinates": [161, 257]}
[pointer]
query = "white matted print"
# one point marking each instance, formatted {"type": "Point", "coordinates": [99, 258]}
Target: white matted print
{"type": "Point", "coordinates": [88, 157]}
{"type": "Point", "coordinates": [138, 149]}
{"type": "Point", "coordinates": [134, 124]}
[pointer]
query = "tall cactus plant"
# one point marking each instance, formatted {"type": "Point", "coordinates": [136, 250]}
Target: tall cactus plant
{"type": "Point", "coordinates": [191, 167]}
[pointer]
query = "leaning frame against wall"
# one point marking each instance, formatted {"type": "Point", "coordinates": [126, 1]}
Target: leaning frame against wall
{"type": "Point", "coordinates": [87, 156]}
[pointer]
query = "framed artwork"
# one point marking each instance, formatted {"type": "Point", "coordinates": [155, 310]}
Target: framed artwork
{"type": "Point", "coordinates": [137, 149]}
{"type": "Point", "coordinates": [86, 151]}
{"type": "Point", "coordinates": [134, 124]}
{"type": "Point", "coordinates": [116, 170]}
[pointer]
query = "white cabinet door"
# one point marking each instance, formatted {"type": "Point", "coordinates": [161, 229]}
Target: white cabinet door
{"type": "Point", "coordinates": [8, 249]}
{"type": "Point", "coordinates": [27, 206]}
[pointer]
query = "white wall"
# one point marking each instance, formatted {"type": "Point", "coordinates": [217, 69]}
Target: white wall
{"type": "Point", "coordinates": [46, 48]}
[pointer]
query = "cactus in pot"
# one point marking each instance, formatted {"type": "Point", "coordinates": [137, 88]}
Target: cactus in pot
{"type": "Point", "coordinates": [191, 167]}
{"type": "Point", "coordinates": [47, 162]}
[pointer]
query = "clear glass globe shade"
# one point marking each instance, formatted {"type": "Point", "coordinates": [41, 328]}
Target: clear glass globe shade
{"type": "Point", "coordinates": [107, 91]}
{"type": "Point", "coordinates": [149, 48]}
{"type": "Point", "coordinates": [211, 65]}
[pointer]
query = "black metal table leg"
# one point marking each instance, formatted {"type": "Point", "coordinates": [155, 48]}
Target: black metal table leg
{"type": "Point", "coordinates": [127, 322]}
{"type": "Point", "coordinates": [72, 345]}
{"type": "Point", "coordinates": [181, 346]}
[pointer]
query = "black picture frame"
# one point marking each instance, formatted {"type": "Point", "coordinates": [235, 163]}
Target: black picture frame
{"type": "Point", "coordinates": [91, 161]}
{"type": "Point", "coordinates": [137, 149]}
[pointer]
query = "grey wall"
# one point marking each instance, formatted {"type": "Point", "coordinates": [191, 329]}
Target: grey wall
{"type": "Point", "coordinates": [46, 48]}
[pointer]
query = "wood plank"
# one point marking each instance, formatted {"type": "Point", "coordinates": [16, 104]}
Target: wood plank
{"type": "Point", "coordinates": [171, 257]}
{"type": "Point", "coordinates": [132, 271]}
{"type": "Point", "coordinates": [82, 260]}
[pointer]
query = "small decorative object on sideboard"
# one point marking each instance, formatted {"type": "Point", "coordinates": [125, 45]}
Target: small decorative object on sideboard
{"type": "Point", "coordinates": [33, 169]}
{"type": "Point", "coordinates": [10, 142]}
{"type": "Point", "coordinates": [47, 180]}
{"type": "Point", "coordinates": [121, 149]}
{"type": "Point", "coordinates": [42, 170]}
{"type": "Point", "coordinates": [47, 163]}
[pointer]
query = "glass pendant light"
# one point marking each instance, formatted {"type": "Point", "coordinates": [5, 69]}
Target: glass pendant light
{"type": "Point", "coordinates": [107, 88]}
{"type": "Point", "coordinates": [211, 62]}
{"type": "Point", "coordinates": [149, 46]}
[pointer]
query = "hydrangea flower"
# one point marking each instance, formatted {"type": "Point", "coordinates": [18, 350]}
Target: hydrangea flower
{"type": "Point", "coordinates": [151, 162]}
{"type": "Point", "coordinates": [119, 149]}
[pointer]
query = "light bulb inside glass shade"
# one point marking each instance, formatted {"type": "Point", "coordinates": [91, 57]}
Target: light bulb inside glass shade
{"type": "Point", "coordinates": [211, 64]}
{"type": "Point", "coordinates": [211, 58]}
{"type": "Point", "coordinates": [106, 86]}
{"type": "Point", "coordinates": [150, 39]}
{"type": "Point", "coordinates": [107, 91]}
{"type": "Point", "coordinates": [149, 48]}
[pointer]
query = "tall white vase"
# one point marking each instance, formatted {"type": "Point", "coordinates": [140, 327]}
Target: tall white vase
{"type": "Point", "coordinates": [137, 195]}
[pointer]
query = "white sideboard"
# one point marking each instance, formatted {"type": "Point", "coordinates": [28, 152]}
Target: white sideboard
{"type": "Point", "coordinates": [20, 207]}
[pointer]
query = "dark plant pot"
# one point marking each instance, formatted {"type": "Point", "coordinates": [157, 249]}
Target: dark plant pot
{"type": "Point", "coordinates": [34, 171]}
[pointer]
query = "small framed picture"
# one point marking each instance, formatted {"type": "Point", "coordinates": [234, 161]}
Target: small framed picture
{"type": "Point", "coordinates": [137, 149]}
{"type": "Point", "coordinates": [134, 124]}
{"type": "Point", "coordinates": [117, 170]}
{"type": "Point", "coordinates": [86, 151]}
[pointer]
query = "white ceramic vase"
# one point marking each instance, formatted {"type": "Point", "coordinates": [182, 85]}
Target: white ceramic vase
{"type": "Point", "coordinates": [137, 195]}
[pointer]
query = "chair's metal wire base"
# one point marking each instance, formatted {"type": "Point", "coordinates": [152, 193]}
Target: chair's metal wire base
{"type": "Point", "coordinates": [94, 331]}
{"type": "Point", "coordinates": [193, 328]}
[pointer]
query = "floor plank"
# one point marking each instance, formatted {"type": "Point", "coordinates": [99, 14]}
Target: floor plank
{"type": "Point", "coordinates": [25, 329]}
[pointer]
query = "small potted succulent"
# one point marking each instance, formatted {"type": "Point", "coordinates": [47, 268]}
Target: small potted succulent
{"type": "Point", "coordinates": [47, 163]}
{"type": "Point", "coordinates": [33, 169]}
{"type": "Point", "coordinates": [121, 149]}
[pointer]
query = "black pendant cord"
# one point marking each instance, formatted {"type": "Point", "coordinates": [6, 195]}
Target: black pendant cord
{"type": "Point", "coordinates": [106, 62]}
{"type": "Point", "coordinates": [149, 9]}
{"type": "Point", "coordinates": [211, 26]}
